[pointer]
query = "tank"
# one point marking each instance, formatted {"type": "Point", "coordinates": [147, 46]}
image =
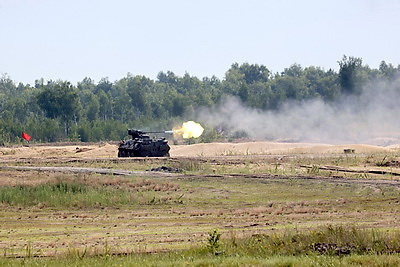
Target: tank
{"type": "Point", "coordinates": [142, 145]}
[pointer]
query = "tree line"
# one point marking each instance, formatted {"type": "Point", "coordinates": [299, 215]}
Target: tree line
{"type": "Point", "coordinates": [52, 111]}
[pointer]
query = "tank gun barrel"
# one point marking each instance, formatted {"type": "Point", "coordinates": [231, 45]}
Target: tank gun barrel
{"type": "Point", "coordinates": [166, 132]}
{"type": "Point", "coordinates": [137, 133]}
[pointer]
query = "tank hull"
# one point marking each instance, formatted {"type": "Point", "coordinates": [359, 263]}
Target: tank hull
{"type": "Point", "coordinates": [144, 147]}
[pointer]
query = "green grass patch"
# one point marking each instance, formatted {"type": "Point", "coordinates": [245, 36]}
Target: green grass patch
{"type": "Point", "coordinates": [205, 260]}
{"type": "Point", "coordinates": [63, 194]}
{"type": "Point", "coordinates": [330, 246]}
{"type": "Point", "coordinates": [75, 192]}
{"type": "Point", "coordinates": [330, 240]}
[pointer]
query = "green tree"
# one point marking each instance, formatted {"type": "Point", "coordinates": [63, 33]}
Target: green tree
{"type": "Point", "coordinates": [168, 78]}
{"type": "Point", "coordinates": [322, 84]}
{"type": "Point", "coordinates": [254, 73]}
{"type": "Point", "coordinates": [104, 85]}
{"type": "Point", "coordinates": [60, 100]}
{"type": "Point", "coordinates": [18, 108]}
{"type": "Point", "coordinates": [105, 105]}
{"type": "Point", "coordinates": [93, 108]}
{"type": "Point", "coordinates": [7, 86]}
{"type": "Point", "coordinates": [137, 88]}
{"type": "Point", "coordinates": [87, 84]}
{"type": "Point", "coordinates": [120, 100]}
{"type": "Point", "coordinates": [349, 75]}
{"type": "Point", "coordinates": [179, 104]}
{"type": "Point", "coordinates": [240, 80]}
{"type": "Point", "coordinates": [388, 71]}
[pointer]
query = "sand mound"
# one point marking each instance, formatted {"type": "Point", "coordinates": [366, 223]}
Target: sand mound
{"type": "Point", "coordinates": [268, 148]}
{"type": "Point", "coordinates": [73, 151]}
{"type": "Point", "coordinates": [102, 150]}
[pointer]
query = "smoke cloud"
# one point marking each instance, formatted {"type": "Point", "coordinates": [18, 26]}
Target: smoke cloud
{"type": "Point", "coordinates": [369, 118]}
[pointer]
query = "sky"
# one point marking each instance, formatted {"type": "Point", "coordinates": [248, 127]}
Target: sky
{"type": "Point", "coordinates": [74, 39]}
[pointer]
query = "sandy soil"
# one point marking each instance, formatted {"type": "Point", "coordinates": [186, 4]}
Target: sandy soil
{"type": "Point", "coordinates": [268, 148]}
{"type": "Point", "coordinates": [197, 150]}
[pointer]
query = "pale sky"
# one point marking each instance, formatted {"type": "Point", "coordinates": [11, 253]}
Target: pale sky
{"type": "Point", "coordinates": [74, 39]}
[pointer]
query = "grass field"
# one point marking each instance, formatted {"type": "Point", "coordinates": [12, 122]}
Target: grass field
{"type": "Point", "coordinates": [270, 210]}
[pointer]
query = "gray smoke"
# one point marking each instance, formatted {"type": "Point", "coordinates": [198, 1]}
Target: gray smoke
{"type": "Point", "coordinates": [370, 118]}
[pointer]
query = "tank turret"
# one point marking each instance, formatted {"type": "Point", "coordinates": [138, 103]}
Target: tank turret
{"type": "Point", "coordinates": [142, 145]}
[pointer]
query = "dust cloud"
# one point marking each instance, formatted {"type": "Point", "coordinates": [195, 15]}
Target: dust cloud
{"type": "Point", "coordinates": [373, 117]}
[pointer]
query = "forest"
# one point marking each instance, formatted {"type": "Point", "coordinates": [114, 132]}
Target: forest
{"type": "Point", "coordinates": [53, 111]}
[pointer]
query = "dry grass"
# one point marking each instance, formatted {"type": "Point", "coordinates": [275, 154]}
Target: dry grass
{"type": "Point", "coordinates": [32, 178]}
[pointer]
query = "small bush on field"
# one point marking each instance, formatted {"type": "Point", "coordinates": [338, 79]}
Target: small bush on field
{"type": "Point", "coordinates": [214, 241]}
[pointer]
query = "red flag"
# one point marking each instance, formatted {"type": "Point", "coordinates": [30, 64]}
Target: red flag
{"type": "Point", "coordinates": [26, 136]}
